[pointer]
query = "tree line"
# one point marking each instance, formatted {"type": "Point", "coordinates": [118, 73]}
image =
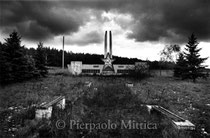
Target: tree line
{"type": "Point", "coordinates": [53, 58]}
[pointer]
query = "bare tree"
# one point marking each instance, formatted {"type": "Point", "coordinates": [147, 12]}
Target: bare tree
{"type": "Point", "coordinates": [169, 53]}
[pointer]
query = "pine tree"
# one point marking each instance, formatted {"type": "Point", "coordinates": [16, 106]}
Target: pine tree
{"type": "Point", "coordinates": [194, 62]}
{"type": "Point", "coordinates": [40, 60]}
{"type": "Point", "coordinates": [4, 65]}
{"type": "Point", "coordinates": [180, 67]}
{"type": "Point", "coordinates": [14, 63]}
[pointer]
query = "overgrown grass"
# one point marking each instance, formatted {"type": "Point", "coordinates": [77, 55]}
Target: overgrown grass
{"type": "Point", "coordinates": [185, 98]}
{"type": "Point", "coordinates": [113, 103]}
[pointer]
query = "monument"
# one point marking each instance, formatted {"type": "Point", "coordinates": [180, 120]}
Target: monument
{"type": "Point", "coordinates": [108, 68]}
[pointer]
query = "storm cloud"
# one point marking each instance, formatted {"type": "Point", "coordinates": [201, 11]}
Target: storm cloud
{"type": "Point", "coordinates": [154, 20]}
{"type": "Point", "coordinates": [85, 39]}
{"type": "Point", "coordinates": [172, 21]}
{"type": "Point", "coordinates": [39, 20]}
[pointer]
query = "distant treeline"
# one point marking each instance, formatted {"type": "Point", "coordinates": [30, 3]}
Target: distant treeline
{"type": "Point", "coordinates": [54, 58]}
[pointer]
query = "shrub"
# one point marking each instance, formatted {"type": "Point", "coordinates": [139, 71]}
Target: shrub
{"type": "Point", "coordinates": [140, 72]}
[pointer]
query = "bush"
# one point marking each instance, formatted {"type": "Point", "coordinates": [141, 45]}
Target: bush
{"type": "Point", "coordinates": [140, 72]}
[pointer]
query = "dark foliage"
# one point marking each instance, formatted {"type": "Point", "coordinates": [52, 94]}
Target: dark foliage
{"type": "Point", "coordinates": [17, 122]}
{"type": "Point", "coordinates": [140, 72]}
{"type": "Point", "coordinates": [54, 58]}
{"type": "Point", "coordinates": [15, 65]}
{"type": "Point", "coordinates": [40, 60]}
{"type": "Point", "coordinates": [189, 65]}
{"type": "Point", "coordinates": [160, 65]}
{"type": "Point", "coordinates": [180, 67]}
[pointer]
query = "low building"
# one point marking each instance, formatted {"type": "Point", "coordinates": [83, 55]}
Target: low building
{"type": "Point", "coordinates": [77, 68]}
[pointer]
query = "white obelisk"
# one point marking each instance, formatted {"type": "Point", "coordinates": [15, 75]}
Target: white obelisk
{"type": "Point", "coordinates": [63, 55]}
{"type": "Point", "coordinates": [105, 45]}
{"type": "Point", "coordinates": [110, 44]}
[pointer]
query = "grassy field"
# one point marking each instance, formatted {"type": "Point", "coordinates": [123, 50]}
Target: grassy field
{"type": "Point", "coordinates": [185, 98]}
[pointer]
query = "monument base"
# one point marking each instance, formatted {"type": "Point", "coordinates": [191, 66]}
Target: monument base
{"type": "Point", "coordinates": [107, 73]}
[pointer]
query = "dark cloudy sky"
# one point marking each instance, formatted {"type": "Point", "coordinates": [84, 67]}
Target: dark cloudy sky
{"type": "Point", "coordinates": [140, 28]}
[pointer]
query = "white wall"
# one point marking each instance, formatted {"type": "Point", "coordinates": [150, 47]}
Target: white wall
{"type": "Point", "coordinates": [123, 67]}
{"type": "Point", "coordinates": [75, 68]}
{"type": "Point", "coordinates": [93, 66]}
{"type": "Point", "coordinates": [44, 113]}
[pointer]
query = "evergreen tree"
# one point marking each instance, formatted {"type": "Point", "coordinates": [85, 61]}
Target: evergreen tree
{"type": "Point", "coordinates": [14, 63]}
{"type": "Point", "coordinates": [180, 67]}
{"type": "Point", "coordinates": [4, 65]}
{"type": "Point", "coordinates": [194, 62]}
{"type": "Point", "coordinates": [40, 60]}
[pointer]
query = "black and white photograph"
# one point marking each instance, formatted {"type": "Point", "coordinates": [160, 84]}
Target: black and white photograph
{"type": "Point", "coordinates": [104, 68]}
